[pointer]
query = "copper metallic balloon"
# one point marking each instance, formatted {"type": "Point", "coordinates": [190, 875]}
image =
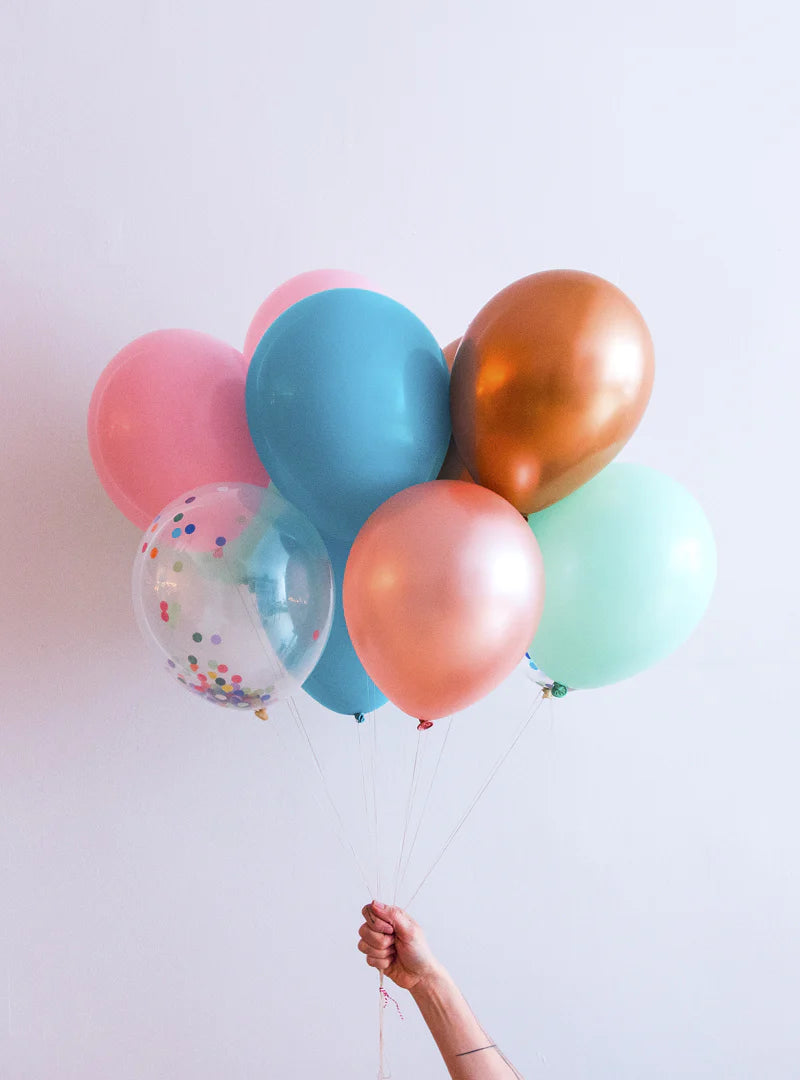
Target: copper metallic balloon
{"type": "Point", "coordinates": [549, 382]}
{"type": "Point", "coordinates": [453, 468]}
{"type": "Point", "coordinates": [443, 591]}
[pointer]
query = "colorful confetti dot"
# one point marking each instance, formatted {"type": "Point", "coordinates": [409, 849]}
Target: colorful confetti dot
{"type": "Point", "coordinates": [220, 541]}
{"type": "Point", "coordinates": [236, 678]}
{"type": "Point", "coordinates": [315, 635]}
{"type": "Point", "coordinates": [164, 616]}
{"type": "Point", "coordinates": [178, 517]}
{"type": "Point", "coordinates": [217, 553]}
{"type": "Point", "coordinates": [177, 566]}
{"type": "Point", "coordinates": [197, 636]}
{"type": "Point", "coordinates": [153, 527]}
{"type": "Point", "coordinates": [163, 605]}
{"type": "Point", "coordinates": [193, 667]}
{"type": "Point", "coordinates": [223, 668]}
{"type": "Point", "coordinates": [190, 529]}
{"type": "Point", "coordinates": [176, 533]}
{"type": "Point", "coordinates": [153, 552]}
{"type": "Point", "coordinates": [170, 663]}
{"type": "Point", "coordinates": [216, 639]}
{"type": "Point", "coordinates": [227, 688]}
{"type": "Point", "coordinates": [192, 659]}
{"type": "Point", "coordinates": [220, 681]}
{"type": "Point", "coordinates": [144, 547]}
{"type": "Point", "coordinates": [190, 499]}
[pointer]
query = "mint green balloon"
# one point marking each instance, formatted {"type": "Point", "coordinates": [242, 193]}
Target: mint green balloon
{"type": "Point", "coordinates": [630, 563]}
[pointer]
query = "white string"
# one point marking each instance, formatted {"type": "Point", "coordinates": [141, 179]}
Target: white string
{"type": "Point", "coordinates": [343, 831]}
{"type": "Point", "coordinates": [412, 788]}
{"type": "Point", "coordinates": [495, 768]}
{"type": "Point", "coordinates": [426, 801]}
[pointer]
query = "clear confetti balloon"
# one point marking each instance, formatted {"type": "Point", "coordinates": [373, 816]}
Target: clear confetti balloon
{"type": "Point", "coordinates": [233, 589]}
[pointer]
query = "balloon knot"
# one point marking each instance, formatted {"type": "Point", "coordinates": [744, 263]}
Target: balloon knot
{"type": "Point", "coordinates": [423, 725]}
{"type": "Point", "coordinates": [262, 714]}
{"type": "Point", "coordinates": [359, 717]}
{"type": "Point", "coordinates": [559, 690]}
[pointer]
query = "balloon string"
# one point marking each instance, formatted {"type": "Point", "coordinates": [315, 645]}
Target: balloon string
{"type": "Point", "coordinates": [376, 815]}
{"type": "Point", "coordinates": [409, 803]}
{"type": "Point", "coordinates": [427, 799]}
{"type": "Point", "coordinates": [387, 997]}
{"type": "Point", "coordinates": [383, 1072]}
{"type": "Point", "coordinates": [367, 813]}
{"type": "Point", "coordinates": [495, 769]}
{"type": "Point", "coordinates": [343, 831]}
{"type": "Point", "coordinates": [291, 753]}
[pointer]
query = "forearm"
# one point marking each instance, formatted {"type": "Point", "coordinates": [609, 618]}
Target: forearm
{"type": "Point", "coordinates": [468, 1052]}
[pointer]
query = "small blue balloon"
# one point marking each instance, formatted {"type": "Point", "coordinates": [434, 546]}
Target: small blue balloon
{"type": "Point", "coordinates": [339, 682]}
{"type": "Point", "coordinates": [348, 403]}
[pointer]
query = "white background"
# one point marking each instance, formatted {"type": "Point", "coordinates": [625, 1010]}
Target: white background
{"type": "Point", "coordinates": [623, 903]}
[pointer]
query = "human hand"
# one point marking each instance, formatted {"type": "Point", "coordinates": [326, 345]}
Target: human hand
{"type": "Point", "coordinates": [394, 944]}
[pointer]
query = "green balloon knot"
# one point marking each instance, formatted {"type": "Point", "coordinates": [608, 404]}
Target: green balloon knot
{"type": "Point", "coordinates": [359, 717]}
{"type": "Point", "coordinates": [558, 690]}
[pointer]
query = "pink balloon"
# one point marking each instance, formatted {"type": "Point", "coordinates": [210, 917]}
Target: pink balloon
{"type": "Point", "coordinates": [298, 288]}
{"type": "Point", "coordinates": [168, 415]}
{"type": "Point", "coordinates": [443, 591]}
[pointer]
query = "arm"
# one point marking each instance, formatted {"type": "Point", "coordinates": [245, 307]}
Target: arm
{"type": "Point", "coordinates": [395, 945]}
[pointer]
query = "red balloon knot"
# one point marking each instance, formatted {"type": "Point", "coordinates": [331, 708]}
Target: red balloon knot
{"type": "Point", "coordinates": [423, 725]}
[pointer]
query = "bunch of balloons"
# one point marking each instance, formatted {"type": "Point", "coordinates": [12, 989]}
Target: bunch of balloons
{"type": "Point", "coordinates": [426, 497]}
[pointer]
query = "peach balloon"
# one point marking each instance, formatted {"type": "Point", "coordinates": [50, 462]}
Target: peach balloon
{"type": "Point", "coordinates": [443, 591]}
{"type": "Point", "coordinates": [294, 290]}
{"type": "Point", "coordinates": [453, 468]}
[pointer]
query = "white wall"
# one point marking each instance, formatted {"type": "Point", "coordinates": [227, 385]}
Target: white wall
{"type": "Point", "coordinates": [623, 904]}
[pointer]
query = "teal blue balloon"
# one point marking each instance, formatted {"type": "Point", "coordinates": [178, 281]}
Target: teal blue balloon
{"type": "Point", "coordinates": [339, 681]}
{"type": "Point", "coordinates": [630, 564]}
{"type": "Point", "coordinates": [348, 403]}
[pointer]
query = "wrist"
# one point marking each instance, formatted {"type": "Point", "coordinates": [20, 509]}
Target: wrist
{"type": "Point", "coordinates": [432, 984]}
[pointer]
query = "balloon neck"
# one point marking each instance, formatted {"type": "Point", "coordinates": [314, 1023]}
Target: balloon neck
{"type": "Point", "coordinates": [359, 717]}
{"type": "Point", "coordinates": [424, 725]}
{"type": "Point", "coordinates": [557, 690]}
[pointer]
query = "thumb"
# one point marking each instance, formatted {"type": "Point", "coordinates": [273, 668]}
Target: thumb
{"type": "Point", "coordinates": [403, 924]}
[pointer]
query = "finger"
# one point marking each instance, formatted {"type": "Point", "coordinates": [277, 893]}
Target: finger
{"type": "Point", "coordinates": [375, 921]}
{"type": "Point", "coordinates": [381, 965]}
{"type": "Point", "coordinates": [402, 924]}
{"type": "Point", "coordinates": [372, 937]}
{"type": "Point", "coordinates": [384, 954]}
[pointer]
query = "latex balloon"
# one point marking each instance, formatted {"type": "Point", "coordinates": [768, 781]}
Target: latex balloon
{"type": "Point", "coordinates": [548, 384]}
{"type": "Point", "coordinates": [339, 681]}
{"type": "Point", "coordinates": [453, 468]}
{"type": "Point", "coordinates": [240, 619]}
{"type": "Point", "coordinates": [442, 591]}
{"type": "Point", "coordinates": [347, 401]}
{"type": "Point", "coordinates": [293, 290]}
{"type": "Point", "coordinates": [630, 562]}
{"type": "Point", "coordinates": [168, 415]}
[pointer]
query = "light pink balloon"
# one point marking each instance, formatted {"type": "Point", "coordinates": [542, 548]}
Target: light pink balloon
{"type": "Point", "coordinates": [168, 415]}
{"type": "Point", "coordinates": [443, 591]}
{"type": "Point", "coordinates": [293, 290]}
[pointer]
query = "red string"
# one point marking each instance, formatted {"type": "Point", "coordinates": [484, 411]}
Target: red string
{"type": "Point", "coordinates": [387, 997]}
